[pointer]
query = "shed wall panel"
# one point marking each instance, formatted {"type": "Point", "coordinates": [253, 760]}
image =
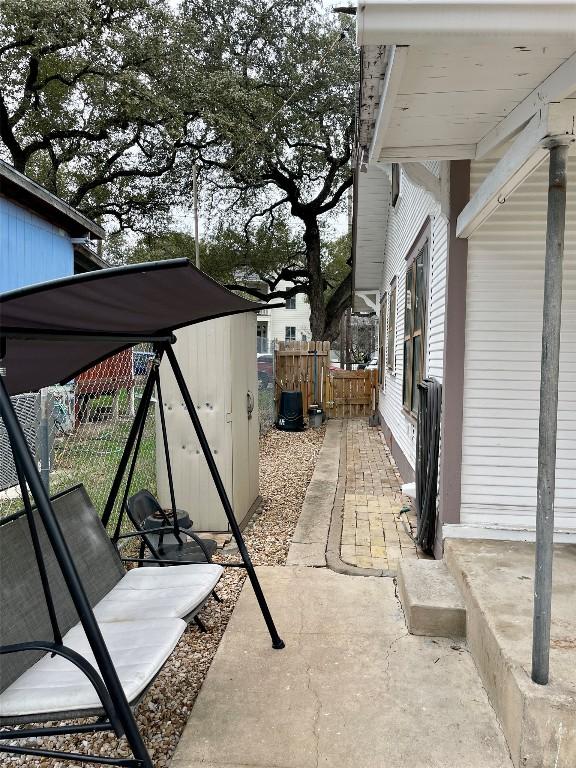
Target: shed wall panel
{"type": "Point", "coordinates": [502, 360]}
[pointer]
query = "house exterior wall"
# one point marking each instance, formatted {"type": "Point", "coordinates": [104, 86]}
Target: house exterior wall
{"type": "Point", "coordinates": [298, 318]}
{"type": "Point", "coordinates": [31, 249]}
{"type": "Point", "coordinates": [502, 360]}
{"type": "Point", "coordinates": [411, 212]}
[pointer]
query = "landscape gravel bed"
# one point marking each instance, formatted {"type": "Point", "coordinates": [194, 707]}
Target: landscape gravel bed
{"type": "Point", "coordinates": [286, 465]}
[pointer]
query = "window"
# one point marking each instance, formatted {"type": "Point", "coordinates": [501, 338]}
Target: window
{"type": "Point", "coordinates": [382, 341]}
{"type": "Point", "coordinates": [290, 333]}
{"type": "Point", "coordinates": [415, 322]}
{"type": "Point", "coordinates": [395, 191]}
{"type": "Point", "coordinates": [291, 302]}
{"type": "Point", "coordinates": [391, 351]}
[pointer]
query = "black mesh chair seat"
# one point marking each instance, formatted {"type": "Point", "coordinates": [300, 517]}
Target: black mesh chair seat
{"type": "Point", "coordinates": [157, 528]}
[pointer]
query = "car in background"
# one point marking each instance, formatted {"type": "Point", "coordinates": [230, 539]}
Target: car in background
{"type": "Point", "coordinates": [141, 360]}
{"type": "Point", "coordinates": [265, 366]}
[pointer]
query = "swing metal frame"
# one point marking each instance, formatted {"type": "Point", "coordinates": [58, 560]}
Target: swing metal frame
{"type": "Point", "coordinates": [118, 715]}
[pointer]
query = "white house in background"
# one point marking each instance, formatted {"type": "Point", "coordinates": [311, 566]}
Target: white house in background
{"type": "Point", "coordinates": [289, 323]}
{"type": "Point", "coordinates": [458, 104]}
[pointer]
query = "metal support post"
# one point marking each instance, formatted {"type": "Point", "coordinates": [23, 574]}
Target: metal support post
{"type": "Point", "coordinates": [548, 411]}
{"type": "Point", "coordinates": [195, 201]}
{"type": "Point", "coordinates": [140, 413]}
{"type": "Point", "coordinates": [44, 438]}
{"type": "Point", "coordinates": [277, 641]}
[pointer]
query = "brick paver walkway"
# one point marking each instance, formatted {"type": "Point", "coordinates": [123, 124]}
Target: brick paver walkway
{"type": "Point", "coordinates": [373, 534]}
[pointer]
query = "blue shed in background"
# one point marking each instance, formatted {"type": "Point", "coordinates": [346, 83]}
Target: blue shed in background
{"type": "Point", "coordinates": [41, 237]}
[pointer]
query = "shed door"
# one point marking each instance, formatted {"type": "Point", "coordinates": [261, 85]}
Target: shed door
{"type": "Point", "coordinates": [245, 427]}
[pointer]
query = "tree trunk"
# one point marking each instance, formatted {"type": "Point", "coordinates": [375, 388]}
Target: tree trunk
{"type": "Point", "coordinates": [324, 319]}
{"type": "Point", "coordinates": [316, 287]}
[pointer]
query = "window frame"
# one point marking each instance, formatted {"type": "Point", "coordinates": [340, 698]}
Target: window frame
{"type": "Point", "coordinates": [292, 305]}
{"type": "Point", "coordinates": [391, 330]}
{"type": "Point", "coordinates": [395, 184]}
{"type": "Point", "coordinates": [382, 341]}
{"type": "Point", "coordinates": [291, 337]}
{"type": "Point", "coordinates": [415, 323]}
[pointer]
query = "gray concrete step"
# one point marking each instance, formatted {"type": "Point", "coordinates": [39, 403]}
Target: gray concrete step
{"type": "Point", "coordinates": [431, 600]}
{"type": "Point", "coordinates": [496, 579]}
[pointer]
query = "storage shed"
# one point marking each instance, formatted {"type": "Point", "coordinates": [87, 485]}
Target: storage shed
{"type": "Point", "coordinates": [218, 359]}
{"type": "Point", "coordinates": [41, 237]}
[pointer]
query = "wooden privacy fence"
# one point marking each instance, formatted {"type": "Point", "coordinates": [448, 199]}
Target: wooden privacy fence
{"type": "Point", "coordinates": [305, 366]}
{"type": "Point", "coordinates": [298, 365]}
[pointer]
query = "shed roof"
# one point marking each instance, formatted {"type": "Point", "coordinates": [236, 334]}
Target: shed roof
{"type": "Point", "coordinates": [56, 330]}
{"type": "Point", "coordinates": [19, 188]}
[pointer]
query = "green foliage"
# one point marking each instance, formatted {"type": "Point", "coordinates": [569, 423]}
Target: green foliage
{"type": "Point", "coordinates": [110, 103]}
{"type": "Point", "coordinates": [90, 104]}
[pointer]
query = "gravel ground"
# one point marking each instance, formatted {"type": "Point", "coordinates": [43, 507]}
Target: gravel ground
{"type": "Point", "coordinates": [286, 465]}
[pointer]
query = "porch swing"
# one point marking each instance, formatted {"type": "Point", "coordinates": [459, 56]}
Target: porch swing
{"type": "Point", "coordinates": [69, 615]}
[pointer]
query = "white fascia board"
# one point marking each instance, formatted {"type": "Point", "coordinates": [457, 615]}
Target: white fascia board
{"type": "Point", "coordinates": [557, 86]}
{"type": "Point", "coordinates": [395, 67]}
{"type": "Point", "coordinates": [523, 157]}
{"type": "Point", "coordinates": [425, 22]}
{"type": "Point", "coordinates": [432, 152]}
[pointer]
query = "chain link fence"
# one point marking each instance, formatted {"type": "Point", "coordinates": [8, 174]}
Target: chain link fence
{"type": "Point", "coordinates": [266, 365]}
{"type": "Point", "coordinates": [77, 432]}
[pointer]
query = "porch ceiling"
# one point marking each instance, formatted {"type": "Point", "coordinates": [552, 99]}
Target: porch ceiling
{"type": "Point", "coordinates": [454, 78]}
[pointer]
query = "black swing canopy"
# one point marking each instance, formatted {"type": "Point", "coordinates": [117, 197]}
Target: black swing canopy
{"type": "Point", "coordinates": [94, 315]}
{"type": "Point", "coordinates": [50, 333]}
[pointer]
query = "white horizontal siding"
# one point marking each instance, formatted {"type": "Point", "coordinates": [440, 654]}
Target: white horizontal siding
{"type": "Point", "coordinates": [404, 223]}
{"type": "Point", "coordinates": [282, 317]}
{"type": "Point", "coordinates": [502, 360]}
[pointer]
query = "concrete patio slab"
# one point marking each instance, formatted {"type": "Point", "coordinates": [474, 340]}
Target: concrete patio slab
{"type": "Point", "coordinates": [496, 579]}
{"type": "Point", "coordinates": [352, 689]}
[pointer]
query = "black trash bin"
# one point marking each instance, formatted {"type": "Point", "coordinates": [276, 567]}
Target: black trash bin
{"type": "Point", "coordinates": [291, 412]}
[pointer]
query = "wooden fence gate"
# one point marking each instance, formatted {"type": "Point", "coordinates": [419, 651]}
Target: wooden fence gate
{"type": "Point", "coordinates": [352, 393]}
{"type": "Point", "coordinates": [305, 366]}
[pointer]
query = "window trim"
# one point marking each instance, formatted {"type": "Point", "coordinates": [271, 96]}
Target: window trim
{"type": "Point", "coordinates": [292, 327]}
{"type": "Point", "coordinates": [290, 298]}
{"type": "Point", "coordinates": [422, 240]}
{"type": "Point", "coordinates": [395, 182]}
{"type": "Point", "coordinates": [382, 341]}
{"type": "Point", "coordinates": [391, 331]}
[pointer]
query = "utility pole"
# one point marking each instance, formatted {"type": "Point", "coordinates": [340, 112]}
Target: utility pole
{"type": "Point", "coordinates": [195, 196]}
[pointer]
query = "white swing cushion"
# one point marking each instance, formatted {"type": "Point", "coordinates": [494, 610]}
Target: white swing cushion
{"type": "Point", "coordinates": [138, 650]}
{"type": "Point", "coordinates": [174, 591]}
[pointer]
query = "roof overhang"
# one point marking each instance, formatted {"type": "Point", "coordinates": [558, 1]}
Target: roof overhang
{"type": "Point", "coordinates": [24, 191]}
{"type": "Point", "coordinates": [372, 205]}
{"type": "Point", "coordinates": [463, 79]}
{"type": "Point", "coordinates": [449, 73]}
